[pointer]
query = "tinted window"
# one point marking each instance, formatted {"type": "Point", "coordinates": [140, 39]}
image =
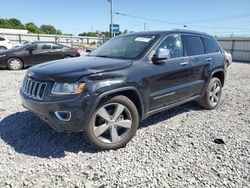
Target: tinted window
{"type": "Point", "coordinates": [57, 46]}
{"type": "Point", "coordinates": [193, 45]}
{"type": "Point", "coordinates": [210, 45]}
{"type": "Point", "coordinates": [174, 44]}
{"type": "Point", "coordinates": [42, 46]}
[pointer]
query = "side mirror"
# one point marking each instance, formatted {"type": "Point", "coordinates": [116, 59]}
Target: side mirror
{"type": "Point", "coordinates": [161, 54]}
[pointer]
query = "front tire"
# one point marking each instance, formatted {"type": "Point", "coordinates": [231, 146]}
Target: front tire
{"type": "Point", "coordinates": [212, 96]}
{"type": "Point", "coordinates": [14, 64]}
{"type": "Point", "coordinates": [113, 124]}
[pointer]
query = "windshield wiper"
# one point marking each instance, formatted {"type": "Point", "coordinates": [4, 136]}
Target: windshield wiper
{"type": "Point", "coordinates": [105, 56]}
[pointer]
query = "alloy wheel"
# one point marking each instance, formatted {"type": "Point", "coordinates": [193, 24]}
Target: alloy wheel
{"type": "Point", "coordinates": [214, 94]}
{"type": "Point", "coordinates": [15, 64]}
{"type": "Point", "coordinates": [112, 123]}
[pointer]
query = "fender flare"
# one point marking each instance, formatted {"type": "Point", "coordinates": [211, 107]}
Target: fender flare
{"type": "Point", "coordinates": [107, 93]}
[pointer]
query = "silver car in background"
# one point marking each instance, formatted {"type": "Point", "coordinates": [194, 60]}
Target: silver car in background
{"type": "Point", "coordinates": [229, 58]}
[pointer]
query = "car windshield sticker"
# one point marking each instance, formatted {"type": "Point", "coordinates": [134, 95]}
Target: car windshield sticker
{"type": "Point", "coordinates": [142, 39]}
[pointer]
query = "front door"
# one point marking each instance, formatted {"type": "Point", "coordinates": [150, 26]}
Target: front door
{"type": "Point", "coordinates": [170, 80]}
{"type": "Point", "coordinates": [40, 53]}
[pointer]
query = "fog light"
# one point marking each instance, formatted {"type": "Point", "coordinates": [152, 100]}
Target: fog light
{"type": "Point", "coordinates": [63, 115]}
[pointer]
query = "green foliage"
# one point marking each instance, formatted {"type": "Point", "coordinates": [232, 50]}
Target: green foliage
{"type": "Point", "coordinates": [11, 23]}
{"type": "Point", "coordinates": [49, 29]}
{"type": "Point", "coordinates": [14, 23]}
{"type": "Point", "coordinates": [31, 27]}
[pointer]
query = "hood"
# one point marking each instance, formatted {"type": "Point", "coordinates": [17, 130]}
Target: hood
{"type": "Point", "coordinates": [71, 70]}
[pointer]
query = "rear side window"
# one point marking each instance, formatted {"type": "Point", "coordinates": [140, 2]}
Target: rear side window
{"type": "Point", "coordinates": [210, 45]}
{"type": "Point", "coordinates": [43, 46]}
{"type": "Point", "coordinates": [56, 46]}
{"type": "Point", "coordinates": [193, 45]}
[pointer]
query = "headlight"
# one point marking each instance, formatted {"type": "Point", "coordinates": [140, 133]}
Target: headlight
{"type": "Point", "coordinates": [67, 88]}
{"type": "Point", "coordinates": [2, 55]}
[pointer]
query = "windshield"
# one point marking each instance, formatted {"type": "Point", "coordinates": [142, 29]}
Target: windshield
{"type": "Point", "coordinates": [125, 47]}
{"type": "Point", "coordinates": [22, 46]}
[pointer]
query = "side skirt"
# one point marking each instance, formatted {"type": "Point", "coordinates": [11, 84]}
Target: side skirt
{"type": "Point", "coordinates": [170, 106]}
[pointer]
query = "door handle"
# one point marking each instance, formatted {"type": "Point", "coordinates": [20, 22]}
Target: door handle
{"type": "Point", "coordinates": [209, 59]}
{"type": "Point", "coordinates": [184, 63]}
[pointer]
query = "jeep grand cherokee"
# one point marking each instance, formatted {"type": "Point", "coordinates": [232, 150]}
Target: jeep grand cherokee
{"type": "Point", "coordinates": [130, 77]}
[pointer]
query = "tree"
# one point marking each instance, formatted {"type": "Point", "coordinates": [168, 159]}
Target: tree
{"type": "Point", "coordinates": [49, 29]}
{"type": "Point", "coordinates": [32, 27]}
{"type": "Point", "coordinates": [16, 24]}
{"type": "Point", "coordinates": [4, 23]}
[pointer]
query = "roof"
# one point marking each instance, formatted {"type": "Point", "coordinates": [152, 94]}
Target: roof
{"type": "Point", "coordinates": [168, 32]}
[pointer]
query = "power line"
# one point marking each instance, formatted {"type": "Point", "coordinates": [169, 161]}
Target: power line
{"type": "Point", "coordinates": [173, 23]}
{"type": "Point", "coordinates": [149, 19]}
{"type": "Point", "coordinates": [226, 18]}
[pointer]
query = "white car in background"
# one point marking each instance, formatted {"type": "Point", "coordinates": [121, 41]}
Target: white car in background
{"type": "Point", "coordinates": [229, 58]}
{"type": "Point", "coordinates": [5, 43]}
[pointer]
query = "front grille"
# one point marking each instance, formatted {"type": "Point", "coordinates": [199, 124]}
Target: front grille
{"type": "Point", "coordinates": [33, 88]}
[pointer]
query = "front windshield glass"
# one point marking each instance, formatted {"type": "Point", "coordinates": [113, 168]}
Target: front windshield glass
{"type": "Point", "coordinates": [125, 47]}
{"type": "Point", "coordinates": [22, 46]}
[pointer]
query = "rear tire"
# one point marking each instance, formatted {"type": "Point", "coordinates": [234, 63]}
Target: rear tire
{"type": "Point", "coordinates": [212, 96]}
{"type": "Point", "coordinates": [67, 57]}
{"type": "Point", "coordinates": [113, 124]}
{"type": "Point", "coordinates": [14, 64]}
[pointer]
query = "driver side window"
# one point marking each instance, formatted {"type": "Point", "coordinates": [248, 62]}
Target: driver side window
{"type": "Point", "coordinates": [174, 44]}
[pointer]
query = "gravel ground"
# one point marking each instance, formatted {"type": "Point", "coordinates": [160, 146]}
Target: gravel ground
{"type": "Point", "coordinates": [182, 147]}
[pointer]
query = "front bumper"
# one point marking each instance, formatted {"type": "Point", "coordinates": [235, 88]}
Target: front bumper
{"type": "Point", "coordinates": [80, 108]}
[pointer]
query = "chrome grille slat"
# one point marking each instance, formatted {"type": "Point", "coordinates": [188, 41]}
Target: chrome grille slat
{"type": "Point", "coordinates": [30, 87]}
{"type": "Point", "coordinates": [33, 88]}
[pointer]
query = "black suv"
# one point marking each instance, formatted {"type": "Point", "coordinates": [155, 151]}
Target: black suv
{"type": "Point", "coordinates": [130, 77]}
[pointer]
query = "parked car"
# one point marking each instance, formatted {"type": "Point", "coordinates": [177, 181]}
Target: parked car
{"type": "Point", "coordinates": [229, 58]}
{"type": "Point", "coordinates": [124, 81]}
{"type": "Point", "coordinates": [5, 43]}
{"type": "Point", "coordinates": [34, 53]}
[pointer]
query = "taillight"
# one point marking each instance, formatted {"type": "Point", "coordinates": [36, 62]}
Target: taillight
{"type": "Point", "coordinates": [78, 50]}
{"type": "Point", "coordinates": [225, 58]}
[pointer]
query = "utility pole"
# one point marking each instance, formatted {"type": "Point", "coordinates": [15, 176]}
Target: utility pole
{"type": "Point", "coordinates": [111, 17]}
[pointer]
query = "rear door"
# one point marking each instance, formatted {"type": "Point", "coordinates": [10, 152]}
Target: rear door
{"type": "Point", "coordinates": [199, 61]}
{"type": "Point", "coordinates": [57, 52]}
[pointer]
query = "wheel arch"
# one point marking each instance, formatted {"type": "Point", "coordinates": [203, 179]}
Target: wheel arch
{"type": "Point", "coordinates": [220, 74]}
{"type": "Point", "coordinates": [129, 92]}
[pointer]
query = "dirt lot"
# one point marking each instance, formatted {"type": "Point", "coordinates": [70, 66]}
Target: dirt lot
{"type": "Point", "coordinates": [175, 148]}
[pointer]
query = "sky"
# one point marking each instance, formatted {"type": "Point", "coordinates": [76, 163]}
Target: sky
{"type": "Point", "coordinates": [217, 17]}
